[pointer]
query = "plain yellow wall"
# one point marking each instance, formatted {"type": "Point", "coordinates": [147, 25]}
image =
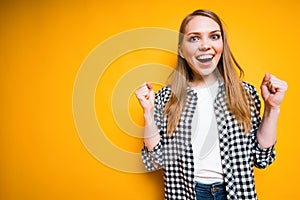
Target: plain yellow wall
{"type": "Point", "coordinates": [43, 47]}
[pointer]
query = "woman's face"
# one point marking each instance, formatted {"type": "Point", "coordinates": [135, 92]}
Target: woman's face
{"type": "Point", "coordinates": [202, 46]}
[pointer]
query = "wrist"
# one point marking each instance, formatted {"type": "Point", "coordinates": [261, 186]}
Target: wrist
{"type": "Point", "coordinates": [271, 113]}
{"type": "Point", "coordinates": [272, 109]}
{"type": "Point", "coordinates": [148, 118]}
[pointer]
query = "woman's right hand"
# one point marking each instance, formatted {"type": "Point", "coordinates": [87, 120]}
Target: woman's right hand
{"type": "Point", "coordinates": [145, 95]}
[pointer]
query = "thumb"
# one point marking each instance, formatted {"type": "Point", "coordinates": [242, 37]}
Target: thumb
{"type": "Point", "coordinates": [266, 79]}
{"type": "Point", "coordinates": [150, 91]}
{"type": "Point", "coordinates": [149, 86]}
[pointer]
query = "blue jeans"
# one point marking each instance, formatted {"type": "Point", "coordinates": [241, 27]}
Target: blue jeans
{"type": "Point", "coordinates": [215, 191]}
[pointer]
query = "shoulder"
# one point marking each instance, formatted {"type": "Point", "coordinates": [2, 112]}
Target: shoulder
{"type": "Point", "coordinates": [163, 95]}
{"type": "Point", "coordinates": [164, 92]}
{"type": "Point", "coordinates": [250, 88]}
{"type": "Point", "coordinates": [253, 93]}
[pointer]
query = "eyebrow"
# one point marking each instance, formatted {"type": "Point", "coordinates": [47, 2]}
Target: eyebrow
{"type": "Point", "coordinates": [198, 33]}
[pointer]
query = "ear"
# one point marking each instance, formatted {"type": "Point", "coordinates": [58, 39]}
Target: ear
{"type": "Point", "coordinates": [180, 52]}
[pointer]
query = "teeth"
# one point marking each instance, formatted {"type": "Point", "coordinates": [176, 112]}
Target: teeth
{"type": "Point", "coordinates": [205, 57]}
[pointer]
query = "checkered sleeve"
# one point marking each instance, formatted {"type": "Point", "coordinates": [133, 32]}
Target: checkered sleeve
{"type": "Point", "coordinates": [263, 157]}
{"type": "Point", "coordinates": [153, 159]}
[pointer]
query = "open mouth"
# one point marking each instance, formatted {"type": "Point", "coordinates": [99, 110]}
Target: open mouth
{"type": "Point", "coordinates": [205, 58]}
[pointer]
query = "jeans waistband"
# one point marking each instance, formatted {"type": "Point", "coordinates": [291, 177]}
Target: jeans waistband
{"type": "Point", "coordinates": [211, 187]}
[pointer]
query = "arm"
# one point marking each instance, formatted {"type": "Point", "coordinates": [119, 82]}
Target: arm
{"type": "Point", "coordinates": [152, 153]}
{"type": "Point", "coordinates": [145, 95]}
{"type": "Point", "coordinates": [273, 91]}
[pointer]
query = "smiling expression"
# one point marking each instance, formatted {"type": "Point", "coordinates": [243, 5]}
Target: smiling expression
{"type": "Point", "coordinates": [202, 46]}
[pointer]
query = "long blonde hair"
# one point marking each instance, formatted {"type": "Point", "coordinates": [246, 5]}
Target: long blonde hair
{"type": "Point", "coordinates": [237, 98]}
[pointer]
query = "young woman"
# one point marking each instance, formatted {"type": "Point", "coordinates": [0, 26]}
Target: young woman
{"type": "Point", "coordinates": [205, 129]}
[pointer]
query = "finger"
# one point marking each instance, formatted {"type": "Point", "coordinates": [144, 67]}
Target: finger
{"type": "Point", "coordinates": [143, 92]}
{"type": "Point", "coordinates": [149, 86]}
{"type": "Point", "coordinates": [271, 87]}
{"type": "Point", "coordinates": [265, 86]}
{"type": "Point", "coordinates": [272, 82]}
{"type": "Point", "coordinates": [142, 96]}
{"type": "Point", "coordinates": [143, 87]}
{"type": "Point", "coordinates": [266, 79]}
{"type": "Point", "coordinates": [276, 82]}
{"type": "Point", "coordinates": [279, 86]}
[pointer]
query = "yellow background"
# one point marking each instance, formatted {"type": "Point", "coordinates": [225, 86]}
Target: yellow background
{"type": "Point", "coordinates": [43, 44]}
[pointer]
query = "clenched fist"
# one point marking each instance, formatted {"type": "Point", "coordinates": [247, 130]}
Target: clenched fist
{"type": "Point", "coordinates": [273, 90]}
{"type": "Point", "coordinates": [145, 95]}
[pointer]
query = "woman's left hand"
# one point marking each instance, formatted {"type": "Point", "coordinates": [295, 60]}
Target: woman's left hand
{"type": "Point", "coordinates": [273, 90]}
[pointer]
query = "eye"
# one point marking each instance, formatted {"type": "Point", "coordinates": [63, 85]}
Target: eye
{"type": "Point", "coordinates": [193, 39]}
{"type": "Point", "coordinates": [215, 36]}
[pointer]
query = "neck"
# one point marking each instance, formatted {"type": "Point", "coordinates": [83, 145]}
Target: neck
{"type": "Point", "coordinates": [203, 81]}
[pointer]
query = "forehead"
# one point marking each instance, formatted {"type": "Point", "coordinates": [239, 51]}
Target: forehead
{"type": "Point", "coordinates": [201, 24]}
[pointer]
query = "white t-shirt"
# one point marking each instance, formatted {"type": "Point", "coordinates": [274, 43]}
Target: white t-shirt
{"type": "Point", "coordinates": [205, 138]}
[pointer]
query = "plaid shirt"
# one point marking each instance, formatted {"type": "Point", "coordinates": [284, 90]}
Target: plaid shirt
{"type": "Point", "coordinates": [239, 152]}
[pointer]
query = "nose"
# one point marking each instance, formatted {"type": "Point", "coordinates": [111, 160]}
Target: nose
{"type": "Point", "coordinates": [204, 45]}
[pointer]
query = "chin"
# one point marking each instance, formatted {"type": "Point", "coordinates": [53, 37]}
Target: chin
{"type": "Point", "coordinates": [207, 72]}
